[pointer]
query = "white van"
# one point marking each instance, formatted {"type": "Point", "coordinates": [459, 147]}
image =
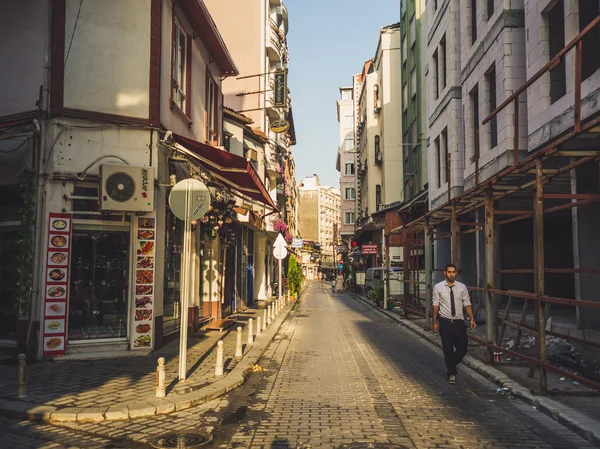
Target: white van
{"type": "Point", "coordinates": [374, 278]}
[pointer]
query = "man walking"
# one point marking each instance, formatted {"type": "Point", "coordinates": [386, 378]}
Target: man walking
{"type": "Point", "coordinates": [450, 297]}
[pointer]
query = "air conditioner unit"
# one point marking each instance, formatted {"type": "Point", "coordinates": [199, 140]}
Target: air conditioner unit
{"type": "Point", "coordinates": [126, 188]}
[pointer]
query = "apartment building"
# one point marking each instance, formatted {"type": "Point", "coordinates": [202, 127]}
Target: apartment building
{"type": "Point", "coordinates": [260, 92]}
{"type": "Point", "coordinates": [320, 217]}
{"type": "Point", "coordinates": [346, 163]}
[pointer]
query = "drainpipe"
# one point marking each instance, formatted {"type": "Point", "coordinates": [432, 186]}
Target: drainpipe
{"type": "Point", "coordinates": [41, 190]}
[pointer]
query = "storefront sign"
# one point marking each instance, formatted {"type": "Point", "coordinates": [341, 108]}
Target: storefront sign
{"type": "Point", "coordinates": [56, 288]}
{"type": "Point", "coordinates": [297, 243]}
{"type": "Point", "coordinates": [369, 249]}
{"type": "Point", "coordinates": [280, 89]}
{"type": "Point", "coordinates": [145, 263]}
{"type": "Point", "coordinates": [280, 126]}
{"type": "Point", "coordinates": [360, 278]}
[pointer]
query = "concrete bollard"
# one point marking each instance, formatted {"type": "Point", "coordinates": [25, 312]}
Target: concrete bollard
{"type": "Point", "coordinates": [264, 326]}
{"type": "Point", "coordinates": [268, 321]}
{"type": "Point", "coordinates": [21, 376]}
{"type": "Point", "coordinates": [160, 378]}
{"type": "Point", "coordinates": [272, 314]}
{"type": "Point", "coordinates": [238, 343]}
{"type": "Point", "coordinates": [219, 365]}
{"type": "Point", "coordinates": [276, 307]}
{"type": "Point", "coordinates": [250, 332]}
{"type": "Point", "coordinates": [258, 326]}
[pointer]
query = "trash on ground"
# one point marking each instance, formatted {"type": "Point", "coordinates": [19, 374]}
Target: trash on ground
{"type": "Point", "coordinates": [257, 369]}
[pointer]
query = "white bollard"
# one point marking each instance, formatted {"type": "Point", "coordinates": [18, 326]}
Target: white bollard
{"type": "Point", "coordinates": [219, 365]}
{"type": "Point", "coordinates": [264, 327]}
{"type": "Point", "coordinates": [250, 332]}
{"type": "Point", "coordinates": [160, 378]}
{"type": "Point", "coordinates": [258, 326]}
{"type": "Point", "coordinates": [268, 315]}
{"type": "Point", "coordinates": [272, 314]}
{"type": "Point", "coordinates": [238, 343]}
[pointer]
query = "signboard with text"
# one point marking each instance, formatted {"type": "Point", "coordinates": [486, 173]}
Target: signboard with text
{"type": "Point", "coordinates": [297, 243]}
{"type": "Point", "coordinates": [369, 249]}
{"type": "Point", "coordinates": [280, 89]}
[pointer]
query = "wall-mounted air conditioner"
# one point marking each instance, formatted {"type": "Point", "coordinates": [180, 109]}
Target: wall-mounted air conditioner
{"type": "Point", "coordinates": [126, 188]}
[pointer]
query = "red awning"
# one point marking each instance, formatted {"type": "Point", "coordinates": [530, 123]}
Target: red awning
{"type": "Point", "coordinates": [235, 171]}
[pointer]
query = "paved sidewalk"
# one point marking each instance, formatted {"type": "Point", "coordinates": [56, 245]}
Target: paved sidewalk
{"type": "Point", "coordinates": [576, 413]}
{"type": "Point", "coordinates": [115, 389]}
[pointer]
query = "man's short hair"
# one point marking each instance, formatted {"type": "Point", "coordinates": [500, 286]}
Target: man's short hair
{"type": "Point", "coordinates": [449, 265]}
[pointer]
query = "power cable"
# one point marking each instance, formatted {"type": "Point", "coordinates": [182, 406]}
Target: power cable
{"type": "Point", "coordinates": [73, 33]}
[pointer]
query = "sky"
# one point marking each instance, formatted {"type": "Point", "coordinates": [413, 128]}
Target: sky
{"type": "Point", "coordinates": [329, 40]}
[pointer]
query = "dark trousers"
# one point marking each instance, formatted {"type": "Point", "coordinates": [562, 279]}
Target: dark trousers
{"type": "Point", "coordinates": [454, 335]}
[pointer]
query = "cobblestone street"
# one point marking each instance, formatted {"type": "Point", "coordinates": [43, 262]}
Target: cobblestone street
{"type": "Point", "coordinates": [338, 375]}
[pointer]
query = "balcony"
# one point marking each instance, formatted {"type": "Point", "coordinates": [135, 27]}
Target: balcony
{"type": "Point", "coordinates": [274, 42]}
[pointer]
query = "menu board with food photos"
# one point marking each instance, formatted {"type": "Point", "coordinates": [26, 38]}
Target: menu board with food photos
{"type": "Point", "coordinates": [144, 282]}
{"type": "Point", "coordinates": [56, 288]}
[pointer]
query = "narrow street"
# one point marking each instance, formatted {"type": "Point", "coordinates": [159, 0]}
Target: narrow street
{"type": "Point", "coordinates": [340, 374]}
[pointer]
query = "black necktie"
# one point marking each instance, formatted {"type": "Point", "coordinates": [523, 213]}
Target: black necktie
{"type": "Point", "coordinates": [452, 305]}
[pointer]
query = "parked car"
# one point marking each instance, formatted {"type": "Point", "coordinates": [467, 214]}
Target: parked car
{"type": "Point", "coordinates": [374, 278]}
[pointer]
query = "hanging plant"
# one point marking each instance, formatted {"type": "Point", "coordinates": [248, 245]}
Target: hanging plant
{"type": "Point", "coordinates": [25, 245]}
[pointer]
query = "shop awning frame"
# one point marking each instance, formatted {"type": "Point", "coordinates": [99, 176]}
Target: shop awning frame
{"type": "Point", "coordinates": [234, 171]}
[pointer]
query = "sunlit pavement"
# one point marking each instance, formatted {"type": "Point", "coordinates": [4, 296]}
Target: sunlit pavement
{"type": "Point", "coordinates": [339, 374]}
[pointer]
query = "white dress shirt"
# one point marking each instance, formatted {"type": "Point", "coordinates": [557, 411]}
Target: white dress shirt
{"type": "Point", "coordinates": [441, 299]}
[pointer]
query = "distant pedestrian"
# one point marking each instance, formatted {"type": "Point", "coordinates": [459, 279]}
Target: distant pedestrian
{"type": "Point", "coordinates": [450, 297]}
{"type": "Point", "coordinates": [339, 284]}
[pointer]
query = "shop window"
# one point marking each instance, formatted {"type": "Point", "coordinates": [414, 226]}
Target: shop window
{"type": "Point", "coordinates": [556, 42]}
{"type": "Point", "coordinates": [10, 220]}
{"type": "Point", "coordinates": [99, 286]}
{"type": "Point", "coordinates": [172, 288]}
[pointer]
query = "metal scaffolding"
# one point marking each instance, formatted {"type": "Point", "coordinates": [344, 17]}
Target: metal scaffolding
{"type": "Point", "coordinates": [532, 188]}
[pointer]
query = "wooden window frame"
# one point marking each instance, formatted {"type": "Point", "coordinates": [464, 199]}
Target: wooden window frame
{"type": "Point", "coordinates": [180, 97]}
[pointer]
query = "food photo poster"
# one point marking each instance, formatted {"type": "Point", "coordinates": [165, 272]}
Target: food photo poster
{"type": "Point", "coordinates": [143, 319]}
{"type": "Point", "coordinates": [56, 288]}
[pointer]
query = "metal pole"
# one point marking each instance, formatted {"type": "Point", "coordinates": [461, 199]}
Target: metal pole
{"type": "Point", "coordinates": [21, 376]}
{"type": "Point", "coordinates": [280, 278]}
{"type": "Point", "coordinates": [455, 231]}
{"type": "Point", "coordinates": [490, 238]}
{"type": "Point", "coordinates": [184, 281]}
{"type": "Point", "coordinates": [405, 268]}
{"type": "Point", "coordinates": [428, 274]}
{"type": "Point", "coordinates": [386, 287]}
{"type": "Point", "coordinates": [538, 254]}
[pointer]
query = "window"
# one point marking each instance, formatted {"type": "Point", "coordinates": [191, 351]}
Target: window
{"type": "Point", "coordinates": [346, 94]}
{"type": "Point", "coordinates": [349, 168]}
{"type": "Point", "coordinates": [475, 115]}
{"type": "Point", "coordinates": [413, 30]}
{"type": "Point", "coordinates": [405, 97]}
{"type": "Point", "coordinates": [350, 193]}
{"type": "Point", "coordinates": [413, 82]}
{"type": "Point", "coordinates": [491, 81]}
{"type": "Point", "coordinates": [349, 218]}
{"type": "Point", "coordinates": [348, 143]}
{"type": "Point", "coordinates": [444, 168]}
{"type": "Point", "coordinates": [436, 68]}
{"type": "Point", "coordinates": [443, 63]}
{"type": "Point", "coordinates": [473, 21]}
{"type": "Point", "coordinates": [435, 5]}
{"type": "Point", "coordinates": [438, 156]}
{"type": "Point", "coordinates": [404, 49]}
{"type": "Point", "coordinates": [403, 7]}
{"type": "Point", "coordinates": [227, 142]}
{"type": "Point", "coordinates": [179, 69]}
{"type": "Point", "coordinates": [347, 121]}
{"type": "Point", "coordinates": [588, 11]}
{"type": "Point", "coordinates": [490, 9]}
{"type": "Point", "coordinates": [556, 42]}
{"type": "Point", "coordinates": [378, 196]}
{"type": "Point", "coordinates": [212, 110]}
